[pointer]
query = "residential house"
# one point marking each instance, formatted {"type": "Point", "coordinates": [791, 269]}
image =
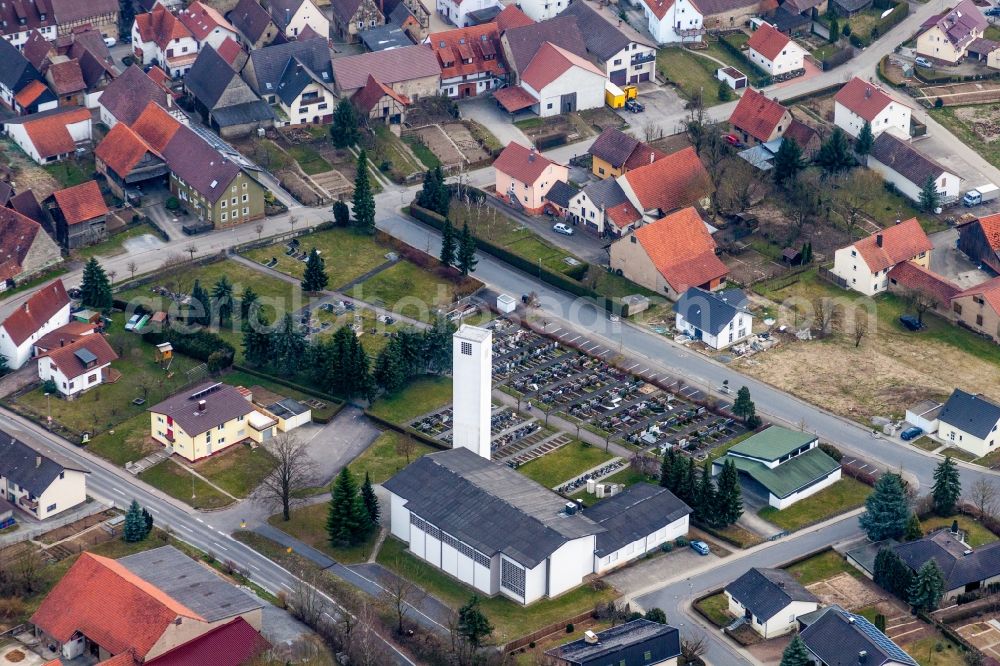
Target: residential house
{"type": "Point", "coordinates": [470, 60]}
{"type": "Point", "coordinates": [758, 119]}
{"type": "Point", "coordinates": [170, 610]}
{"type": "Point", "coordinates": [128, 96]}
{"type": "Point", "coordinates": [678, 180]}
{"type": "Point", "coordinates": [45, 310]}
{"type": "Point", "coordinates": [296, 79]}
{"type": "Point", "coordinates": [377, 101]}
{"type": "Point", "coordinates": [717, 318]}
{"type": "Point", "coordinates": [160, 38]}
{"type": "Point", "coordinates": [412, 71]}
{"type": "Point", "coordinates": [861, 101]}
{"type": "Point", "coordinates": [558, 198]}
{"type": "Point", "coordinates": [774, 52]}
{"type": "Point", "coordinates": [670, 256]}
{"type": "Point", "coordinates": [614, 152]}
{"type": "Point", "coordinates": [207, 419]}
{"type": "Point", "coordinates": [622, 53]}
{"type": "Point", "coordinates": [603, 208]}
{"type": "Point", "coordinates": [78, 214]}
{"type": "Point", "coordinates": [22, 88]}
{"type": "Point", "coordinates": [25, 249]}
{"type": "Point", "coordinates": [224, 100]}
{"type": "Point", "coordinates": [522, 42]}
{"type": "Point", "coordinates": [412, 17]}
{"type": "Point", "coordinates": [909, 170]}
{"type": "Point", "coordinates": [78, 366]}
{"type": "Point", "coordinates": [65, 80]}
{"type": "Point", "coordinates": [457, 12]}
{"type": "Point", "coordinates": [727, 14]}
{"type": "Point", "coordinates": [37, 480]}
{"type": "Point", "coordinates": [18, 19]}
{"type": "Point", "coordinates": [807, 138]}
{"type": "Point", "coordinates": [86, 48]}
{"type": "Point", "coordinates": [293, 17]}
{"type": "Point", "coordinates": [771, 601]}
{"type": "Point", "coordinates": [980, 241]}
{"type": "Point", "coordinates": [781, 465]}
{"type": "Point", "coordinates": [101, 15]}
{"type": "Point", "coordinates": [51, 136]}
{"type": "Point", "coordinates": [352, 17]}
{"type": "Point", "coordinates": [206, 25]}
{"type": "Point", "coordinates": [674, 21]}
{"type": "Point", "coordinates": [833, 635]}
{"type": "Point", "coordinates": [978, 308]}
{"type": "Point", "coordinates": [66, 334]}
{"type": "Point", "coordinates": [524, 176]}
{"type": "Point", "coordinates": [638, 641]}
{"type": "Point", "coordinates": [910, 279]}
{"type": "Point", "coordinates": [865, 265]}
{"type": "Point", "coordinates": [542, 10]}
{"type": "Point", "coordinates": [254, 27]}
{"type": "Point", "coordinates": [970, 422]}
{"type": "Point", "coordinates": [946, 37]}
{"type": "Point", "coordinates": [127, 161]}
{"type": "Point", "coordinates": [26, 204]}
{"type": "Point", "coordinates": [965, 569]}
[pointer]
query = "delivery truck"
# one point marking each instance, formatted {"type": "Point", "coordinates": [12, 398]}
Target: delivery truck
{"type": "Point", "coordinates": [981, 194]}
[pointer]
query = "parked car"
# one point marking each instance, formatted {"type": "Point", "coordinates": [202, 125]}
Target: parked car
{"type": "Point", "coordinates": [133, 320]}
{"type": "Point", "coordinates": [700, 547]}
{"type": "Point", "coordinates": [563, 229]}
{"type": "Point", "coordinates": [923, 62]}
{"type": "Point", "coordinates": [911, 323]}
{"type": "Point", "coordinates": [634, 106]}
{"type": "Point", "coordinates": [733, 140]}
{"type": "Point", "coordinates": [109, 42]}
{"type": "Point", "coordinates": [993, 11]}
{"type": "Point", "coordinates": [911, 433]}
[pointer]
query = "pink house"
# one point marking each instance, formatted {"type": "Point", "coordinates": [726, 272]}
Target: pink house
{"type": "Point", "coordinates": [524, 177]}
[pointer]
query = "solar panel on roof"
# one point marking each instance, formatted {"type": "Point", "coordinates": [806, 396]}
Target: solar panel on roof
{"type": "Point", "coordinates": [880, 639]}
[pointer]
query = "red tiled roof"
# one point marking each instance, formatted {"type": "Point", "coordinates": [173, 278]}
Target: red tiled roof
{"type": "Point", "coordinates": [231, 644]}
{"type": "Point", "coordinates": [29, 93]}
{"type": "Point", "coordinates": [900, 242]}
{"type": "Point", "coordinates": [479, 43]}
{"type": "Point", "coordinates": [160, 27]}
{"type": "Point", "coordinates": [643, 155]}
{"type": "Point", "coordinates": [550, 62]}
{"type": "Point", "coordinates": [524, 165]}
{"type": "Point", "coordinates": [69, 363]}
{"type": "Point", "coordinates": [67, 77]}
{"type": "Point", "coordinates": [514, 98]}
{"type": "Point", "coordinates": [67, 333]}
{"type": "Point", "coordinates": [156, 126]}
{"type": "Point", "coordinates": [917, 278]}
{"type": "Point", "coordinates": [110, 605]}
{"type": "Point", "coordinates": [757, 114]}
{"type": "Point", "coordinates": [201, 20]}
{"type": "Point", "coordinates": [366, 98]}
{"type": "Point", "coordinates": [81, 202]}
{"type": "Point", "coordinates": [122, 659]}
{"type": "Point", "coordinates": [863, 98]}
{"type": "Point", "coordinates": [49, 134]}
{"type": "Point", "coordinates": [512, 17]}
{"type": "Point", "coordinates": [989, 290]}
{"type": "Point", "coordinates": [623, 214]}
{"type": "Point", "coordinates": [17, 236]}
{"type": "Point", "coordinates": [35, 312]}
{"type": "Point", "coordinates": [121, 149]}
{"type": "Point", "coordinates": [229, 50]}
{"type": "Point", "coordinates": [682, 250]}
{"type": "Point", "coordinates": [768, 41]}
{"type": "Point", "coordinates": [660, 7]}
{"type": "Point", "coordinates": [675, 181]}
{"type": "Point", "coordinates": [991, 229]}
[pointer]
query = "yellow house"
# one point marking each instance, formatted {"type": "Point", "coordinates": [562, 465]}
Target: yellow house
{"type": "Point", "coordinates": [210, 417]}
{"type": "Point", "coordinates": [948, 38]}
{"type": "Point", "coordinates": [613, 153]}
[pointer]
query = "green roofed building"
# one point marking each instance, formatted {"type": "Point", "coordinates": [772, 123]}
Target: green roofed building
{"type": "Point", "coordinates": [783, 465]}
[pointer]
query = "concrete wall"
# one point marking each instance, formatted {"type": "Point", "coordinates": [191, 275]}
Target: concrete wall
{"type": "Point", "coordinates": [569, 564]}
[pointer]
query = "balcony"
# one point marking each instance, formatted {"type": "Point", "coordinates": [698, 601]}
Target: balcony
{"type": "Point", "coordinates": [690, 32]}
{"type": "Point", "coordinates": [641, 59]}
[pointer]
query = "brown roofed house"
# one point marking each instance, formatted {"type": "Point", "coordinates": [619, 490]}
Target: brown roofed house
{"type": "Point", "coordinates": [79, 215]}
{"type": "Point", "coordinates": [758, 119]}
{"type": "Point", "coordinates": [45, 310]}
{"type": "Point", "coordinates": [865, 265]}
{"type": "Point", "coordinates": [614, 152]}
{"type": "Point", "coordinates": [524, 177]}
{"type": "Point", "coordinates": [25, 248]}
{"type": "Point", "coordinates": [78, 366]}
{"type": "Point", "coordinates": [978, 308]}
{"type": "Point", "coordinates": [980, 241]}
{"type": "Point", "coordinates": [413, 71]}
{"type": "Point", "coordinates": [253, 24]}
{"type": "Point", "coordinates": [379, 102]}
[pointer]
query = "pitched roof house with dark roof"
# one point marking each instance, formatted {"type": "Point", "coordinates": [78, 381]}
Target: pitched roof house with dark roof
{"type": "Point", "coordinates": [296, 79]}
{"type": "Point", "coordinates": [459, 12]}
{"type": "Point", "coordinates": [717, 318]}
{"type": "Point", "coordinates": [602, 208]}
{"type": "Point", "coordinates": [78, 366]}
{"type": "Point", "coordinates": [864, 266]}
{"type": "Point", "coordinates": [965, 568]}
{"type": "Point", "coordinates": [980, 241]}
{"type": "Point", "coordinates": [859, 102]}
{"type": "Point", "coordinates": [21, 86]}
{"type": "Point", "coordinates": [637, 642]}
{"type": "Point", "coordinates": [225, 101]}
{"type": "Point", "coordinates": [351, 17]}
{"type": "Point", "coordinates": [78, 214]}
{"type": "Point", "coordinates": [524, 176]}
{"type": "Point", "coordinates": [728, 14]}
{"type": "Point", "coordinates": [971, 422]}
{"type": "Point", "coordinates": [253, 24]}
{"type": "Point", "coordinates": [413, 71]}
{"type": "Point", "coordinates": [19, 18]}
{"type": "Point", "coordinates": [101, 15]}
{"type": "Point", "coordinates": [771, 600]}
{"type": "Point", "coordinates": [25, 248]}
{"type": "Point", "coordinates": [614, 152]}
{"type": "Point", "coordinates": [978, 308]}
{"type": "Point", "coordinates": [835, 637]}
{"type": "Point", "coordinates": [908, 169]}
{"type": "Point", "coordinates": [293, 17]}
{"type": "Point", "coordinates": [623, 54]}
{"type": "Point", "coordinates": [948, 38]}
{"type": "Point", "coordinates": [129, 94]}
{"type": "Point", "coordinates": [758, 119]}
{"type": "Point", "coordinates": [38, 480]}
{"type": "Point", "coordinates": [521, 43]}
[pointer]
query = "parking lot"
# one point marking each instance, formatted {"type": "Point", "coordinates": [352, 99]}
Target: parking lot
{"type": "Point", "coordinates": [660, 103]}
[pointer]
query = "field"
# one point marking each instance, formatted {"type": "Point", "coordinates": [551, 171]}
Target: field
{"type": "Point", "coordinates": [390, 151]}
{"type": "Point", "coordinates": [692, 74]}
{"type": "Point", "coordinates": [892, 368]}
{"type": "Point", "coordinates": [564, 463]}
{"type": "Point", "coordinates": [842, 496]}
{"type": "Point", "coordinates": [177, 482]}
{"type": "Point", "coordinates": [420, 397]}
{"type": "Point", "coordinates": [72, 171]}
{"type": "Point", "coordinates": [820, 567]}
{"type": "Point", "coordinates": [386, 456]}
{"type": "Point", "coordinates": [347, 255]}
{"type": "Point", "coordinates": [308, 525]}
{"type": "Point", "coordinates": [310, 161]}
{"type": "Point", "coordinates": [407, 289]}
{"type": "Point", "coordinates": [976, 126]}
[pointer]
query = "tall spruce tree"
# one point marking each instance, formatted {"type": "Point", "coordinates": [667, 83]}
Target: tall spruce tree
{"type": "Point", "coordinates": [473, 625]}
{"type": "Point", "coordinates": [370, 501]}
{"type": "Point", "coordinates": [199, 309]}
{"type": "Point", "coordinates": [344, 130]}
{"type": "Point", "coordinates": [390, 372]}
{"type": "Point", "coordinates": [863, 144]}
{"type": "Point", "coordinates": [466, 251]}
{"type": "Point", "coordinates": [364, 200]}
{"type": "Point", "coordinates": [288, 346]}
{"type": "Point", "coordinates": [256, 338]}
{"type": "Point", "coordinates": [927, 587]}
{"type": "Point", "coordinates": [347, 521]}
{"type": "Point", "coordinates": [891, 573]}
{"type": "Point", "coordinates": [705, 497]}
{"type": "Point", "coordinates": [689, 489]}
{"type": "Point", "coordinates": [947, 487]}
{"type": "Point", "coordinates": [135, 525]}
{"type": "Point", "coordinates": [248, 299]}
{"type": "Point", "coordinates": [448, 243]}
{"type": "Point", "coordinates": [835, 155]}
{"type": "Point", "coordinates": [341, 214]}
{"type": "Point", "coordinates": [930, 197]}
{"type": "Point", "coordinates": [729, 500]}
{"type": "Point", "coordinates": [886, 511]}
{"type": "Point", "coordinates": [667, 466]}
{"type": "Point", "coordinates": [743, 406]}
{"type": "Point", "coordinates": [788, 162]}
{"type": "Point", "coordinates": [913, 529]}
{"type": "Point", "coordinates": [314, 278]}
{"type": "Point", "coordinates": [222, 298]}
{"type": "Point", "coordinates": [796, 654]}
{"type": "Point", "coordinates": [95, 288]}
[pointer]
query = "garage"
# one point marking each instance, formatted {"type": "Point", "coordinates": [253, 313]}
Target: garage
{"type": "Point", "coordinates": [619, 76]}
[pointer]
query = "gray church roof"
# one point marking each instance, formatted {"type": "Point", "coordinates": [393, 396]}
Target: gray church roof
{"type": "Point", "coordinates": [633, 514]}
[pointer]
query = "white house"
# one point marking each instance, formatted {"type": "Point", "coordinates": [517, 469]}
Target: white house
{"type": "Point", "coordinates": [37, 480]}
{"type": "Point", "coordinates": [908, 169]}
{"type": "Point", "coordinates": [773, 51]}
{"type": "Point", "coordinates": [206, 25]}
{"type": "Point", "coordinates": [860, 101]}
{"type": "Point", "coordinates": [717, 318]}
{"type": "Point", "coordinates": [159, 37]}
{"type": "Point", "coordinates": [781, 465]}
{"type": "Point", "coordinates": [457, 11]}
{"type": "Point", "coordinates": [77, 366]}
{"type": "Point", "coordinates": [970, 422]}
{"type": "Point", "coordinates": [674, 21]}
{"type": "Point", "coordinates": [865, 265]}
{"type": "Point", "coordinates": [542, 10]}
{"type": "Point", "coordinates": [562, 82]}
{"type": "Point", "coordinates": [624, 54]}
{"type": "Point", "coordinates": [46, 310]}
{"type": "Point", "coordinates": [51, 136]}
{"type": "Point", "coordinates": [770, 600]}
{"type": "Point", "coordinates": [293, 17]}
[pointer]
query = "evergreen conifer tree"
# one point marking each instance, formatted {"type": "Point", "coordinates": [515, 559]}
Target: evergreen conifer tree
{"type": "Point", "coordinates": [199, 309]}
{"type": "Point", "coordinates": [347, 521]}
{"type": "Point", "coordinates": [314, 278]}
{"type": "Point", "coordinates": [473, 625]}
{"type": "Point", "coordinates": [927, 587]}
{"type": "Point", "coordinates": [863, 144]}
{"type": "Point", "coordinates": [930, 197]}
{"type": "Point", "coordinates": [729, 500]}
{"type": "Point", "coordinates": [448, 243]}
{"type": "Point", "coordinates": [370, 501]}
{"type": "Point", "coordinates": [466, 261]}
{"type": "Point", "coordinates": [796, 654]}
{"type": "Point", "coordinates": [364, 200]}
{"type": "Point", "coordinates": [886, 512]}
{"type": "Point", "coordinates": [705, 498]}
{"type": "Point", "coordinates": [344, 128]}
{"type": "Point", "coordinates": [135, 525]}
{"type": "Point", "coordinates": [947, 487]}
{"type": "Point", "coordinates": [666, 467]}
{"type": "Point", "coordinates": [95, 287]}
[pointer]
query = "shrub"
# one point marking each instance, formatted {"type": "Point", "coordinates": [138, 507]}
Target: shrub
{"type": "Point", "coordinates": [209, 557]}
{"type": "Point", "coordinates": [531, 645]}
{"type": "Point", "coordinates": [680, 542]}
{"type": "Point", "coordinates": [938, 103]}
{"type": "Point", "coordinates": [569, 628]}
{"type": "Point", "coordinates": [832, 451]}
{"type": "Point", "coordinates": [172, 203]}
{"type": "Point", "coordinates": [12, 607]}
{"type": "Point", "coordinates": [666, 547]}
{"type": "Point", "coordinates": [281, 599]}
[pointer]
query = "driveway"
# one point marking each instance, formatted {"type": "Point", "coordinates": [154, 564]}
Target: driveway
{"type": "Point", "coordinates": [332, 446]}
{"type": "Point", "coordinates": [586, 246]}
{"type": "Point", "coordinates": [949, 261]}
{"type": "Point", "coordinates": [485, 111]}
{"type": "Point", "coordinates": [632, 579]}
{"type": "Point", "coordinates": [661, 103]}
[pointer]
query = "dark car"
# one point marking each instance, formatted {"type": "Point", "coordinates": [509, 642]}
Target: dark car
{"type": "Point", "coordinates": [993, 11]}
{"type": "Point", "coordinates": [634, 106]}
{"type": "Point", "coordinates": [911, 323]}
{"type": "Point", "coordinates": [911, 433]}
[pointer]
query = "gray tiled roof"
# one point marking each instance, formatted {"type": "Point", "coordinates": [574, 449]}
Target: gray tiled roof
{"type": "Point", "coordinates": [488, 506]}
{"type": "Point", "coordinates": [269, 63]}
{"type": "Point", "coordinates": [223, 403]}
{"type": "Point", "coordinates": [243, 114]}
{"type": "Point", "coordinates": [711, 311]}
{"type": "Point", "coordinates": [613, 146]}
{"type": "Point", "coordinates": [389, 67]}
{"type": "Point", "coordinates": [31, 467]}
{"type": "Point", "coordinates": [127, 96]}
{"type": "Point", "coordinates": [208, 77]}
{"type": "Point", "coordinates": [560, 193]}
{"type": "Point", "coordinates": [838, 637]}
{"type": "Point", "coordinates": [382, 37]}
{"type": "Point", "coordinates": [283, 10]}
{"type": "Point", "coordinates": [766, 592]}
{"type": "Point", "coordinates": [959, 568]}
{"type": "Point", "coordinates": [603, 39]}
{"type": "Point", "coordinates": [633, 514]}
{"type": "Point", "coordinates": [15, 70]}
{"type": "Point", "coordinates": [710, 7]}
{"type": "Point", "coordinates": [344, 10]}
{"type": "Point", "coordinates": [525, 41]}
{"type": "Point", "coordinates": [906, 160]}
{"type": "Point", "coordinates": [606, 193]}
{"type": "Point", "coordinates": [250, 19]}
{"type": "Point", "coordinates": [970, 413]}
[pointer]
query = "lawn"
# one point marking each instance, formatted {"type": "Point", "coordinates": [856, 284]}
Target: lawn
{"type": "Point", "coordinates": [128, 442]}
{"type": "Point", "coordinates": [390, 149]}
{"type": "Point", "coordinates": [407, 289]}
{"type": "Point", "coordinates": [842, 496]}
{"type": "Point", "coordinates": [716, 609]}
{"type": "Point", "coordinates": [422, 396]}
{"type": "Point", "coordinates": [72, 171]}
{"type": "Point", "coordinates": [238, 469]}
{"type": "Point", "coordinates": [976, 534]}
{"type": "Point", "coordinates": [248, 380]}
{"type": "Point", "coordinates": [510, 620]}
{"type": "Point", "coordinates": [564, 463]}
{"type": "Point", "coordinates": [820, 567]}
{"type": "Point", "coordinates": [958, 454]}
{"type": "Point", "coordinates": [617, 286]}
{"type": "Point", "coordinates": [113, 245]}
{"type": "Point", "coordinates": [926, 443]}
{"type": "Point", "coordinates": [990, 150]}
{"type": "Point", "coordinates": [177, 482]}
{"type": "Point", "coordinates": [308, 525]}
{"type": "Point", "coordinates": [420, 149]}
{"type": "Point", "coordinates": [347, 255]}
{"type": "Point", "coordinates": [308, 159]}
{"type": "Point", "coordinates": [386, 456]}
{"type": "Point", "coordinates": [935, 650]}
{"type": "Point", "coordinates": [692, 74]}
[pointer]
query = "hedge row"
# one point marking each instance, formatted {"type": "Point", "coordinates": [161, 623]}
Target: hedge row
{"type": "Point", "coordinates": [202, 345]}
{"type": "Point", "coordinates": [837, 58]}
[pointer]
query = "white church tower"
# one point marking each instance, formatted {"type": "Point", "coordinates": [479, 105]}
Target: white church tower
{"type": "Point", "coordinates": [472, 383]}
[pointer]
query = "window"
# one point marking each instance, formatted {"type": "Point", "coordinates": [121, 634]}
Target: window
{"type": "Point", "coordinates": [979, 320]}
{"type": "Point", "coordinates": [467, 348]}
{"type": "Point", "coordinates": [246, 197]}
{"type": "Point", "coordinates": [51, 508]}
{"type": "Point", "coordinates": [234, 201]}
{"type": "Point", "coordinates": [648, 654]}
{"type": "Point", "coordinates": [244, 186]}
{"type": "Point", "coordinates": [62, 475]}
{"type": "Point", "coordinates": [225, 217]}
{"type": "Point", "coordinates": [957, 307]}
{"type": "Point", "coordinates": [246, 211]}
{"type": "Point", "coordinates": [224, 202]}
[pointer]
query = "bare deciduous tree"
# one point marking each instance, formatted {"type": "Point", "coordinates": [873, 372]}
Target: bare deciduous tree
{"type": "Point", "coordinates": [399, 595]}
{"type": "Point", "coordinates": [823, 308]}
{"type": "Point", "coordinates": [405, 446]}
{"type": "Point", "coordinates": [291, 473]}
{"type": "Point", "coordinates": [652, 131]}
{"type": "Point", "coordinates": [367, 648]}
{"type": "Point", "coordinates": [132, 268]}
{"type": "Point", "coordinates": [984, 495]}
{"type": "Point", "coordinates": [259, 229]}
{"type": "Point", "coordinates": [191, 249]}
{"type": "Point", "coordinates": [693, 646]}
{"type": "Point", "coordinates": [855, 194]}
{"type": "Point", "coordinates": [921, 301]}
{"type": "Point", "coordinates": [741, 187]}
{"type": "Point", "coordinates": [860, 329]}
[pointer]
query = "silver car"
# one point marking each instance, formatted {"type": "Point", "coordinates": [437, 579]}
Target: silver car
{"type": "Point", "coordinates": [563, 229]}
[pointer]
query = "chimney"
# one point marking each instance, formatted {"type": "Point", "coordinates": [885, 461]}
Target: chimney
{"type": "Point", "coordinates": [38, 462]}
{"type": "Point", "coordinates": [590, 637]}
{"type": "Point", "coordinates": [878, 239]}
{"type": "Point", "coordinates": [532, 154]}
{"type": "Point", "coordinates": [868, 92]}
{"type": "Point", "coordinates": [201, 405]}
{"type": "Point", "coordinates": [26, 309]}
{"type": "Point", "coordinates": [863, 656]}
{"type": "Point", "coordinates": [850, 619]}
{"type": "Point", "coordinates": [62, 343]}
